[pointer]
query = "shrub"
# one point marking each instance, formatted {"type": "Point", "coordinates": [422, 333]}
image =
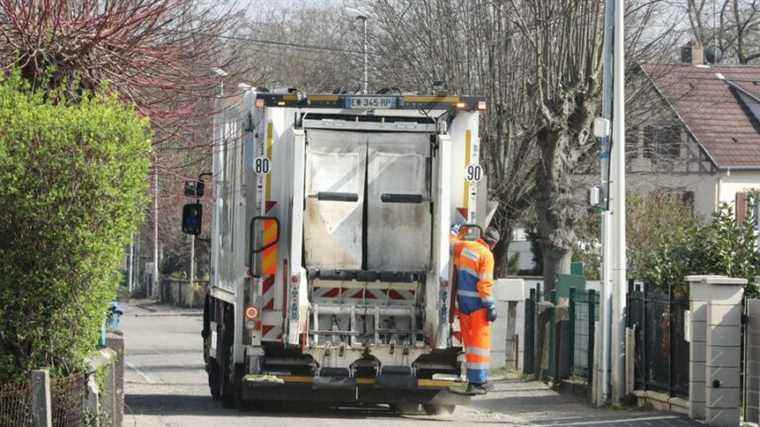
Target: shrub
{"type": "Point", "coordinates": [723, 246]}
{"type": "Point", "coordinates": [73, 188]}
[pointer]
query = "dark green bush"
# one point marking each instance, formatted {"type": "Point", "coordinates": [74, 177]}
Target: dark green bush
{"type": "Point", "coordinates": [722, 246]}
{"type": "Point", "coordinates": [72, 191]}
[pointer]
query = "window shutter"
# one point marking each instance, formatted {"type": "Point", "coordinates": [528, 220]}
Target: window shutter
{"type": "Point", "coordinates": [741, 207]}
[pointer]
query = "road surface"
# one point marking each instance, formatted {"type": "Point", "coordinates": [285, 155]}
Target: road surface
{"type": "Point", "coordinates": [165, 385]}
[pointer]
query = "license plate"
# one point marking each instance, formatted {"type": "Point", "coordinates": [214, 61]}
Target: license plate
{"type": "Point", "coordinates": [368, 102]}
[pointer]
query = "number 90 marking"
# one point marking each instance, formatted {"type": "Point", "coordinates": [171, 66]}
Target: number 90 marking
{"type": "Point", "coordinates": [473, 173]}
{"type": "Point", "coordinates": [261, 165]}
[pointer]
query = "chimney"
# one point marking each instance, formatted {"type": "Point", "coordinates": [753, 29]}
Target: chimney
{"type": "Point", "coordinates": [693, 53]}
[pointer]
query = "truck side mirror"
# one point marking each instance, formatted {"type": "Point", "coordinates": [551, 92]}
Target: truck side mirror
{"type": "Point", "coordinates": [194, 188]}
{"type": "Point", "coordinates": [192, 218]}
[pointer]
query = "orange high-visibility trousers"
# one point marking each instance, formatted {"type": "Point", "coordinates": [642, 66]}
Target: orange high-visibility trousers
{"type": "Point", "coordinates": [476, 334]}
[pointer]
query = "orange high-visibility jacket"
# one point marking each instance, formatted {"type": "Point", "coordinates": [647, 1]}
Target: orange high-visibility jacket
{"type": "Point", "coordinates": [474, 269]}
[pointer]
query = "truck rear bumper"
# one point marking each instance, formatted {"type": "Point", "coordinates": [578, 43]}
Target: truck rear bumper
{"type": "Point", "coordinates": [344, 390]}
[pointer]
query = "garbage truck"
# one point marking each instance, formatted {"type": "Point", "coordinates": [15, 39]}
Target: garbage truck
{"type": "Point", "coordinates": [330, 247]}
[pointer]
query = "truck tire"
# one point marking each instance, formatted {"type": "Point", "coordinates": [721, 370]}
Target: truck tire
{"type": "Point", "coordinates": [214, 379]}
{"type": "Point", "coordinates": [406, 408]}
{"type": "Point", "coordinates": [438, 409]}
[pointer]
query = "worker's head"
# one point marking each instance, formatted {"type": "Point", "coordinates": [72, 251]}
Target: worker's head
{"type": "Point", "coordinates": [491, 237]}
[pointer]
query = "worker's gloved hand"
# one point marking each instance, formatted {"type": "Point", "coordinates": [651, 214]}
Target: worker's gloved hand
{"type": "Point", "coordinates": [491, 312]}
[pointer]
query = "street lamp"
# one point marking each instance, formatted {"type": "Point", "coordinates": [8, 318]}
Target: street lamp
{"type": "Point", "coordinates": [221, 74]}
{"type": "Point", "coordinates": [361, 16]}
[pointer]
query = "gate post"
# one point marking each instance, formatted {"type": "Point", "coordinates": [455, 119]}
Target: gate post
{"type": "Point", "coordinates": [571, 331]}
{"type": "Point", "coordinates": [41, 403]}
{"type": "Point", "coordinates": [591, 332]}
{"type": "Point", "coordinates": [714, 346]}
{"type": "Point", "coordinates": [752, 363]}
{"type": "Point", "coordinates": [530, 334]}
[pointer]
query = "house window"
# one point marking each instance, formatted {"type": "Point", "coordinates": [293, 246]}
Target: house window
{"type": "Point", "coordinates": [632, 142]}
{"type": "Point", "coordinates": [662, 142]}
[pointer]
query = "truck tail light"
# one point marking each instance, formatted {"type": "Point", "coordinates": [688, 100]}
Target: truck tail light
{"type": "Point", "coordinates": [251, 313]}
{"type": "Point", "coordinates": [295, 279]}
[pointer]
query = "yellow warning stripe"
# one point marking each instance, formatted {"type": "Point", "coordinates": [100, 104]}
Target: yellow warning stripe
{"type": "Point", "coordinates": [323, 97]}
{"type": "Point", "coordinates": [425, 383]}
{"type": "Point", "coordinates": [431, 99]}
{"type": "Point", "coordinates": [269, 256]}
{"type": "Point", "coordinates": [467, 154]}
{"type": "Point", "coordinates": [268, 153]}
{"type": "Point", "coordinates": [421, 383]}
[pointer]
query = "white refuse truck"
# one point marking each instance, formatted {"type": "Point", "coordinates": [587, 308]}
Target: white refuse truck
{"type": "Point", "coordinates": [330, 247]}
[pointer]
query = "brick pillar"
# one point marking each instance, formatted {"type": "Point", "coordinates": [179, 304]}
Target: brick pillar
{"type": "Point", "coordinates": [715, 339]}
{"type": "Point", "coordinates": [507, 293]}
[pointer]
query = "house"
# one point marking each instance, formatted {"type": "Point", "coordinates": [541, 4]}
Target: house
{"type": "Point", "coordinates": [698, 133]}
{"type": "Point", "coordinates": [692, 129]}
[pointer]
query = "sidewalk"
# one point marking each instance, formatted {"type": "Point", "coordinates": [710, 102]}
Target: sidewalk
{"type": "Point", "coordinates": [153, 308]}
{"type": "Point", "coordinates": [533, 403]}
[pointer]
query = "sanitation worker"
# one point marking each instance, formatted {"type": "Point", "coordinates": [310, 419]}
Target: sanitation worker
{"type": "Point", "coordinates": [473, 267]}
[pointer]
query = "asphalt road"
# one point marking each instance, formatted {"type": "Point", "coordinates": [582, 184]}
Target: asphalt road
{"type": "Point", "coordinates": [165, 385]}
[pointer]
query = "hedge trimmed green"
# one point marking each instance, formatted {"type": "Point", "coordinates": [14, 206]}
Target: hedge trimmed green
{"type": "Point", "coordinates": [73, 181]}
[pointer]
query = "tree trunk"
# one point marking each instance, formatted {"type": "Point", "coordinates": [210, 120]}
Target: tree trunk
{"type": "Point", "coordinates": [556, 261]}
{"type": "Point", "coordinates": [501, 253]}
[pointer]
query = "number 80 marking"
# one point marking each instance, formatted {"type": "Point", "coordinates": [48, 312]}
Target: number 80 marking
{"type": "Point", "coordinates": [261, 165]}
{"type": "Point", "coordinates": [473, 173]}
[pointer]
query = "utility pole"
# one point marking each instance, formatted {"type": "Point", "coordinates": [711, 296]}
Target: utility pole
{"type": "Point", "coordinates": [192, 259]}
{"type": "Point", "coordinates": [154, 292]}
{"type": "Point", "coordinates": [619, 283]}
{"type": "Point", "coordinates": [131, 265]}
{"type": "Point", "coordinates": [603, 365]}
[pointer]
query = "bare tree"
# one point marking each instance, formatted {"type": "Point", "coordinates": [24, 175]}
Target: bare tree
{"type": "Point", "coordinates": [474, 46]}
{"type": "Point", "coordinates": [733, 26]}
{"type": "Point", "coordinates": [153, 53]}
{"type": "Point", "coordinates": [564, 45]}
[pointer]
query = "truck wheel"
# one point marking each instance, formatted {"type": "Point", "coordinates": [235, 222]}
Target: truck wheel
{"type": "Point", "coordinates": [406, 408]}
{"type": "Point", "coordinates": [438, 409]}
{"type": "Point", "coordinates": [214, 383]}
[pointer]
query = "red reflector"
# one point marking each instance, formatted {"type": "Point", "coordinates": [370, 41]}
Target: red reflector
{"type": "Point", "coordinates": [294, 279]}
{"type": "Point", "coordinates": [251, 312]}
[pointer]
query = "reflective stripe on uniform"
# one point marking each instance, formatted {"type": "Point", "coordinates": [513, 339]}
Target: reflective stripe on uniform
{"type": "Point", "coordinates": [488, 299]}
{"type": "Point", "coordinates": [470, 254]}
{"type": "Point", "coordinates": [471, 294]}
{"type": "Point", "coordinates": [479, 351]}
{"type": "Point", "coordinates": [471, 365]}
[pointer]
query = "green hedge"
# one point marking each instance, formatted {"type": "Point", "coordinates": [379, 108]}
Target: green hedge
{"type": "Point", "coordinates": [73, 181]}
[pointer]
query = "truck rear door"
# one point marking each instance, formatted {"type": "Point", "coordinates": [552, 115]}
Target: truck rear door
{"type": "Point", "coordinates": [335, 175]}
{"type": "Point", "coordinates": [398, 202]}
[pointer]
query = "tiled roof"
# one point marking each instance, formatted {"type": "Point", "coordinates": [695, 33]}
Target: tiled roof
{"type": "Point", "coordinates": [707, 99]}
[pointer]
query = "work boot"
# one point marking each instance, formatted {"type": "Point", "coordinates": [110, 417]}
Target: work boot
{"type": "Point", "coordinates": [476, 389]}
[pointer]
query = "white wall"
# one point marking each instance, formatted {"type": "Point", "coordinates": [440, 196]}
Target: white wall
{"type": "Point", "coordinates": [736, 182]}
